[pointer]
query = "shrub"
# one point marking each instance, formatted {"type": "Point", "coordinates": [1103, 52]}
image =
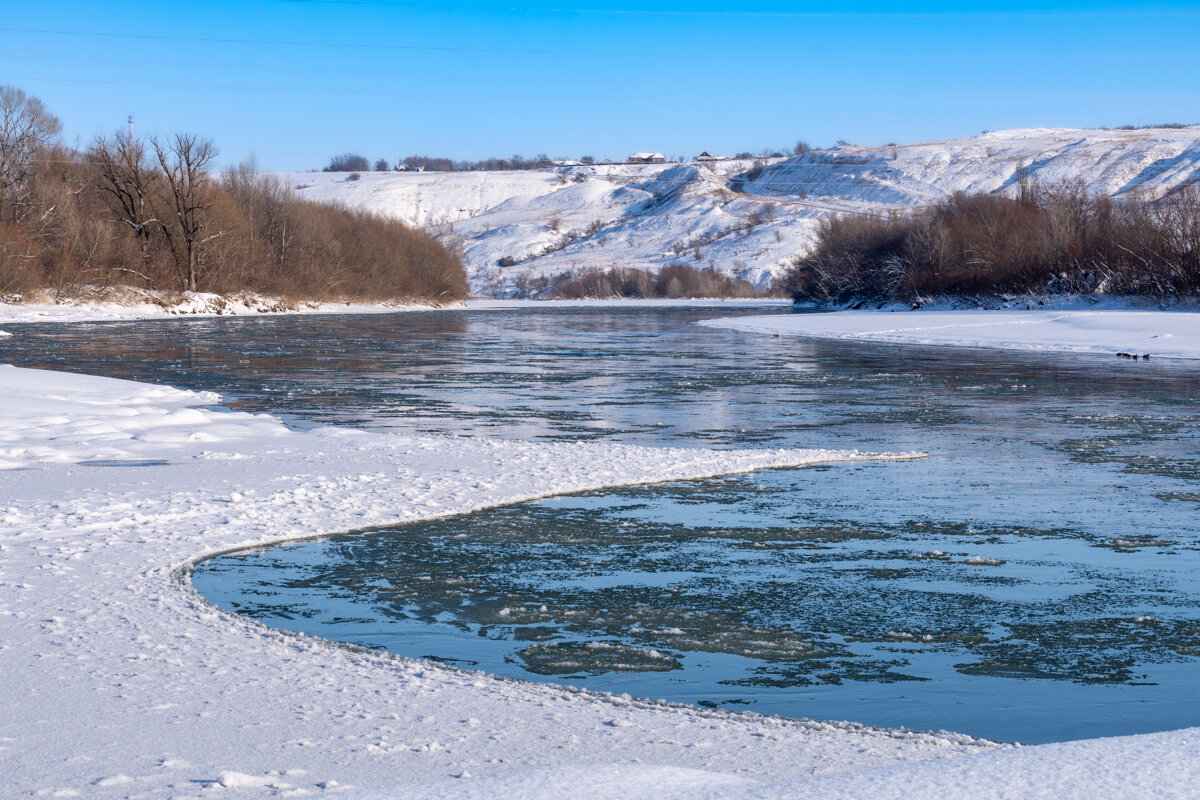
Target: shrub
{"type": "Point", "coordinates": [108, 218]}
{"type": "Point", "coordinates": [1045, 240]}
{"type": "Point", "coordinates": [348, 162]}
{"type": "Point", "coordinates": [672, 281]}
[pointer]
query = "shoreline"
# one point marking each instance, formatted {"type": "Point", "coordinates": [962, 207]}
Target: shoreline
{"type": "Point", "coordinates": [142, 305]}
{"type": "Point", "coordinates": [1173, 335]}
{"type": "Point", "coordinates": [209, 306]}
{"type": "Point", "coordinates": [124, 681]}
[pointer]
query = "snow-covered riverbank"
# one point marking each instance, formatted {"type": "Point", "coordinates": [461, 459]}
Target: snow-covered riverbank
{"type": "Point", "coordinates": [1161, 334]}
{"type": "Point", "coordinates": [121, 682]}
{"type": "Point", "coordinates": [203, 305]}
{"type": "Point", "coordinates": [131, 304]}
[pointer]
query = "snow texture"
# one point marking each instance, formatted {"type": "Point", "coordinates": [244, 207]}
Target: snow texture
{"type": "Point", "coordinates": [145, 304]}
{"type": "Point", "coordinates": [120, 681]}
{"type": "Point", "coordinates": [1159, 334]}
{"type": "Point", "coordinates": [746, 218]}
{"type": "Point", "coordinates": [202, 305]}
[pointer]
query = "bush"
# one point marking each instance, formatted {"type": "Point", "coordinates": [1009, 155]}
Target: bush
{"type": "Point", "coordinates": [348, 162]}
{"type": "Point", "coordinates": [1056, 240]}
{"type": "Point", "coordinates": [100, 219]}
{"type": "Point", "coordinates": [673, 281]}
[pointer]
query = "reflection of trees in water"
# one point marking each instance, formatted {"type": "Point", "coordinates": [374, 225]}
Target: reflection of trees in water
{"type": "Point", "coordinates": [637, 375]}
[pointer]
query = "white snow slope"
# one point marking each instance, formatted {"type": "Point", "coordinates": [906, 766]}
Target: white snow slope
{"type": "Point", "coordinates": [741, 217]}
{"type": "Point", "coordinates": [119, 681]}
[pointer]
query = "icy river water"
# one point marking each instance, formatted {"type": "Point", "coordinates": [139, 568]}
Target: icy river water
{"type": "Point", "coordinates": [1036, 578]}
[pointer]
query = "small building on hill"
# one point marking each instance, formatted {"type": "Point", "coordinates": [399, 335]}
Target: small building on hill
{"type": "Point", "coordinates": [706, 157]}
{"type": "Point", "coordinates": [647, 158]}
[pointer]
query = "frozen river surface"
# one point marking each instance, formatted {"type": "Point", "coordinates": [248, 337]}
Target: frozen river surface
{"type": "Point", "coordinates": [1034, 579]}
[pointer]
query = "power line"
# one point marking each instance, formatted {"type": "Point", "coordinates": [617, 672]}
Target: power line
{"type": "Point", "coordinates": [660, 98]}
{"type": "Point", "coordinates": [19, 57]}
{"type": "Point", "coordinates": [371, 92]}
{"type": "Point", "coordinates": [22, 57]}
{"type": "Point", "coordinates": [356, 45]}
{"type": "Point", "coordinates": [732, 53]}
{"type": "Point", "coordinates": [847, 15]}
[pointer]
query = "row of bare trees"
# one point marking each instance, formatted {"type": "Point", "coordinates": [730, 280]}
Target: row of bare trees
{"type": "Point", "coordinates": [170, 195]}
{"type": "Point", "coordinates": [1046, 240]}
{"type": "Point", "coordinates": [672, 281]}
{"type": "Point", "coordinates": [153, 214]}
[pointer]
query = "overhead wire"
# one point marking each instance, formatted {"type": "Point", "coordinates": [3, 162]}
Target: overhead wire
{"type": "Point", "coordinates": [692, 12]}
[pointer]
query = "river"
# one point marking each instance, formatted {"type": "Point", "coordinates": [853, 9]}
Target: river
{"type": "Point", "coordinates": [1036, 578]}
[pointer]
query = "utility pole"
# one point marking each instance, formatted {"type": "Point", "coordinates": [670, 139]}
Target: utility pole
{"type": "Point", "coordinates": [129, 138]}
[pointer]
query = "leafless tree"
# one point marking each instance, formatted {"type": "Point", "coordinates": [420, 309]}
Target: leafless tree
{"type": "Point", "coordinates": [25, 128]}
{"type": "Point", "coordinates": [123, 176]}
{"type": "Point", "coordinates": [187, 197]}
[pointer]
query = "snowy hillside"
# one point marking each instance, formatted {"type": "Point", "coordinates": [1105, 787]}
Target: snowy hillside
{"type": "Point", "coordinates": [1108, 162]}
{"type": "Point", "coordinates": [742, 217]}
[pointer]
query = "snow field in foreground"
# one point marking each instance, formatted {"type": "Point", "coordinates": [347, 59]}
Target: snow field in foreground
{"type": "Point", "coordinates": [122, 682]}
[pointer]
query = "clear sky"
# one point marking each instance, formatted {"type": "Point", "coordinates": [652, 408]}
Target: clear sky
{"type": "Point", "coordinates": [294, 82]}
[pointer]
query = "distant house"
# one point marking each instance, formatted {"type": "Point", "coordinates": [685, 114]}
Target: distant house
{"type": "Point", "coordinates": [706, 157]}
{"type": "Point", "coordinates": [647, 158]}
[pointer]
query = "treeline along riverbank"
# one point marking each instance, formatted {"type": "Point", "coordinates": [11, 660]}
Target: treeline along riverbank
{"type": "Point", "coordinates": [1057, 240]}
{"type": "Point", "coordinates": [152, 213]}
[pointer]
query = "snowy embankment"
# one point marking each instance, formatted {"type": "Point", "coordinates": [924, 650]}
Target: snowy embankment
{"type": "Point", "coordinates": [1159, 334]}
{"type": "Point", "coordinates": [202, 305]}
{"type": "Point", "coordinates": [121, 682]}
{"type": "Point", "coordinates": [747, 218]}
{"type": "Point", "coordinates": [120, 304]}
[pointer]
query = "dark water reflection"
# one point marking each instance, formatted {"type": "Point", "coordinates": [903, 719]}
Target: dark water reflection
{"type": "Point", "coordinates": [1033, 579]}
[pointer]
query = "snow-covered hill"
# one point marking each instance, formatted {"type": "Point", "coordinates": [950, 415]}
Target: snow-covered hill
{"type": "Point", "coordinates": [742, 217]}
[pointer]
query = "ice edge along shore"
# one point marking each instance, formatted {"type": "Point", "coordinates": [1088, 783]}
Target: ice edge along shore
{"type": "Point", "coordinates": [122, 683]}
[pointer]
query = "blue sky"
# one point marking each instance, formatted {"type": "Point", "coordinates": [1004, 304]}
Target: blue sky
{"type": "Point", "coordinates": [294, 82]}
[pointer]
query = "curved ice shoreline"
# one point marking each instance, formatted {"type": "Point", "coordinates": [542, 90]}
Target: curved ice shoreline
{"type": "Point", "coordinates": [123, 682]}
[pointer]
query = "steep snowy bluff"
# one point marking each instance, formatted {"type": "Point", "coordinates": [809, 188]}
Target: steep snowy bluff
{"type": "Point", "coordinates": [746, 218]}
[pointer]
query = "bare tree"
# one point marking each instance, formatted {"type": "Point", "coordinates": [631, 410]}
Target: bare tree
{"type": "Point", "coordinates": [188, 196]}
{"type": "Point", "coordinates": [25, 127]}
{"type": "Point", "coordinates": [123, 176]}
